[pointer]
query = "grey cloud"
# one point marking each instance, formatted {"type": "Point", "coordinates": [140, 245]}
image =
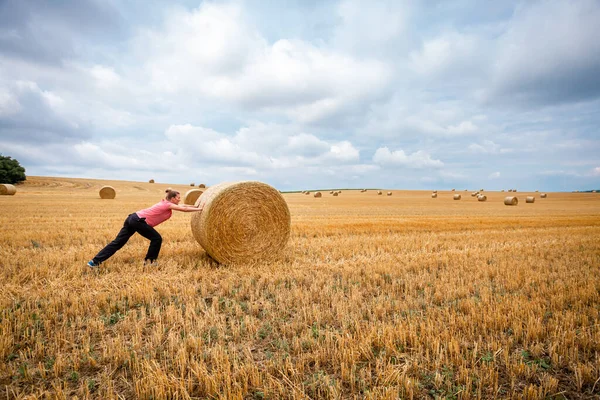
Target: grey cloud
{"type": "Point", "coordinates": [48, 31]}
{"type": "Point", "coordinates": [549, 54]}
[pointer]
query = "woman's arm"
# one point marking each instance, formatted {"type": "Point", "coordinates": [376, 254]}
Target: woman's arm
{"type": "Point", "coordinates": [186, 208]}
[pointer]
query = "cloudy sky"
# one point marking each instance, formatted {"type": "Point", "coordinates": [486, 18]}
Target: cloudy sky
{"type": "Point", "coordinates": [305, 94]}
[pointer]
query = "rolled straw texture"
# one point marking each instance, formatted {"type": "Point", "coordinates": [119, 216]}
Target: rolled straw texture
{"type": "Point", "coordinates": [457, 197]}
{"type": "Point", "coordinates": [529, 199]}
{"type": "Point", "coordinates": [318, 194]}
{"type": "Point", "coordinates": [543, 195]}
{"type": "Point", "coordinates": [241, 222]}
{"type": "Point", "coordinates": [511, 201]}
{"type": "Point", "coordinates": [482, 197]}
{"type": "Point", "coordinates": [107, 192]}
{"type": "Point", "coordinates": [191, 196]}
{"type": "Point", "coordinates": [6, 189]}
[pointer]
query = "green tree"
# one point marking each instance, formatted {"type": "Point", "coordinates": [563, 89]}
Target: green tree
{"type": "Point", "coordinates": [11, 171]}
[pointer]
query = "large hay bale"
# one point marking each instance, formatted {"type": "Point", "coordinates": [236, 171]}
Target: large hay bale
{"type": "Point", "coordinates": [191, 196]}
{"type": "Point", "coordinates": [241, 222]}
{"type": "Point", "coordinates": [151, 181]}
{"type": "Point", "coordinates": [318, 194]}
{"type": "Point", "coordinates": [482, 197]}
{"type": "Point", "coordinates": [543, 195]}
{"type": "Point", "coordinates": [511, 201]}
{"type": "Point", "coordinates": [379, 192]}
{"type": "Point", "coordinates": [6, 189]}
{"type": "Point", "coordinates": [529, 199]}
{"type": "Point", "coordinates": [433, 195]}
{"type": "Point", "coordinates": [107, 192]}
{"type": "Point", "coordinates": [457, 197]}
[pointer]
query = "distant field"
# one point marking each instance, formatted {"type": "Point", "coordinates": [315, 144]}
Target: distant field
{"type": "Point", "coordinates": [375, 297]}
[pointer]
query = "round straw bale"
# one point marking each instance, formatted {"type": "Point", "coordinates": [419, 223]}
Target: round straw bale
{"type": "Point", "coordinates": [433, 195]}
{"type": "Point", "coordinates": [107, 192]}
{"type": "Point", "coordinates": [241, 222]}
{"type": "Point", "coordinates": [457, 197]}
{"type": "Point", "coordinates": [543, 195]}
{"type": "Point", "coordinates": [529, 199]}
{"type": "Point", "coordinates": [502, 190]}
{"type": "Point", "coordinates": [191, 196]}
{"type": "Point", "coordinates": [151, 181]}
{"type": "Point", "coordinates": [435, 191]}
{"type": "Point", "coordinates": [389, 193]}
{"type": "Point", "coordinates": [511, 201]}
{"type": "Point", "coordinates": [331, 192]}
{"type": "Point", "coordinates": [481, 190]}
{"type": "Point", "coordinates": [318, 194]}
{"type": "Point", "coordinates": [379, 192]}
{"type": "Point", "coordinates": [482, 197]}
{"type": "Point", "coordinates": [6, 189]}
{"type": "Point", "coordinates": [474, 194]}
{"type": "Point", "coordinates": [202, 186]}
{"type": "Point", "coordinates": [453, 190]}
{"type": "Point", "coordinates": [192, 184]}
{"type": "Point", "coordinates": [335, 193]}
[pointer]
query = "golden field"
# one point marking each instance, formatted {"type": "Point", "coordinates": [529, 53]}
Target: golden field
{"type": "Point", "coordinates": [375, 297]}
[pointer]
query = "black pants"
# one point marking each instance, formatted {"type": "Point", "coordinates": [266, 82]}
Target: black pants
{"type": "Point", "coordinates": [132, 224]}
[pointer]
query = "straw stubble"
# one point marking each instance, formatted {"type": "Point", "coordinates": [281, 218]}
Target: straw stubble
{"type": "Point", "coordinates": [242, 222]}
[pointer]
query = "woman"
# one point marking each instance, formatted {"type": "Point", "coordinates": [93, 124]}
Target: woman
{"type": "Point", "coordinates": [143, 222]}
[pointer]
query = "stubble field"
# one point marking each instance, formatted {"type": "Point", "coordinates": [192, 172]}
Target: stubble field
{"type": "Point", "coordinates": [375, 297]}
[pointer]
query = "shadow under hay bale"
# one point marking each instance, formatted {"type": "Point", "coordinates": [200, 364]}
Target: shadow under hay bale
{"type": "Point", "coordinates": [107, 192]}
{"type": "Point", "coordinates": [191, 196]}
{"type": "Point", "coordinates": [242, 222]}
{"type": "Point", "coordinates": [6, 189]}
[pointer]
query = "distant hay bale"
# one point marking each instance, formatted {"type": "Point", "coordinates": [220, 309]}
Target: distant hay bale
{"type": "Point", "coordinates": [191, 196]}
{"type": "Point", "coordinates": [389, 193]}
{"type": "Point", "coordinates": [335, 193]}
{"type": "Point", "coordinates": [543, 195]}
{"type": "Point", "coordinates": [453, 190]}
{"type": "Point", "coordinates": [511, 201]}
{"type": "Point", "coordinates": [107, 192]}
{"type": "Point", "coordinates": [457, 197]}
{"type": "Point", "coordinates": [433, 195]}
{"type": "Point", "coordinates": [307, 193]}
{"type": "Point", "coordinates": [192, 184]}
{"type": "Point", "coordinates": [474, 194]}
{"type": "Point", "coordinates": [318, 194]}
{"type": "Point", "coordinates": [529, 199]}
{"type": "Point", "coordinates": [242, 222]}
{"type": "Point", "coordinates": [514, 190]}
{"type": "Point", "coordinates": [6, 189]}
{"type": "Point", "coordinates": [379, 192]}
{"type": "Point", "coordinates": [331, 192]}
{"type": "Point", "coordinates": [435, 191]}
{"type": "Point", "coordinates": [482, 197]}
{"type": "Point", "coordinates": [202, 186]}
{"type": "Point", "coordinates": [339, 191]}
{"type": "Point", "coordinates": [481, 190]}
{"type": "Point", "coordinates": [502, 190]}
{"type": "Point", "coordinates": [151, 181]}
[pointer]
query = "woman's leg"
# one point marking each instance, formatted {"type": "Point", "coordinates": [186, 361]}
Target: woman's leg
{"type": "Point", "coordinates": [155, 239]}
{"type": "Point", "coordinates": [122, 237]}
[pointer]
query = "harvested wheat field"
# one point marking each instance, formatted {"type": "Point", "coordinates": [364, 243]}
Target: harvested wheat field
{"type": "Point", "coordinates": [374, 297]}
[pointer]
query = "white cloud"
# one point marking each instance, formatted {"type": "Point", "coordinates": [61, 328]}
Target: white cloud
{"type": "Point", "coordinates": [486, 147]}
{"type": "Point", "coordinates": [344, 152]}
{"type": "Point", "coordinates": [105, 77]}
{"type": "Point", "coordinates": [494, 175]}
{"type": "Point", "coordinates": [596, 171]}
{"type": "Point", "coordinates": [418, 159]}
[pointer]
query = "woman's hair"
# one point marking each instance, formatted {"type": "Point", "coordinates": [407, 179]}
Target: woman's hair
{"type": "Point", "coordinates": [171, 193]}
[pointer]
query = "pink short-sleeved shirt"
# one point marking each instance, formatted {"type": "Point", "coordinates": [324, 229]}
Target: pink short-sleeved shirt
{"type": "Point", "coordinates": [158, 213]}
